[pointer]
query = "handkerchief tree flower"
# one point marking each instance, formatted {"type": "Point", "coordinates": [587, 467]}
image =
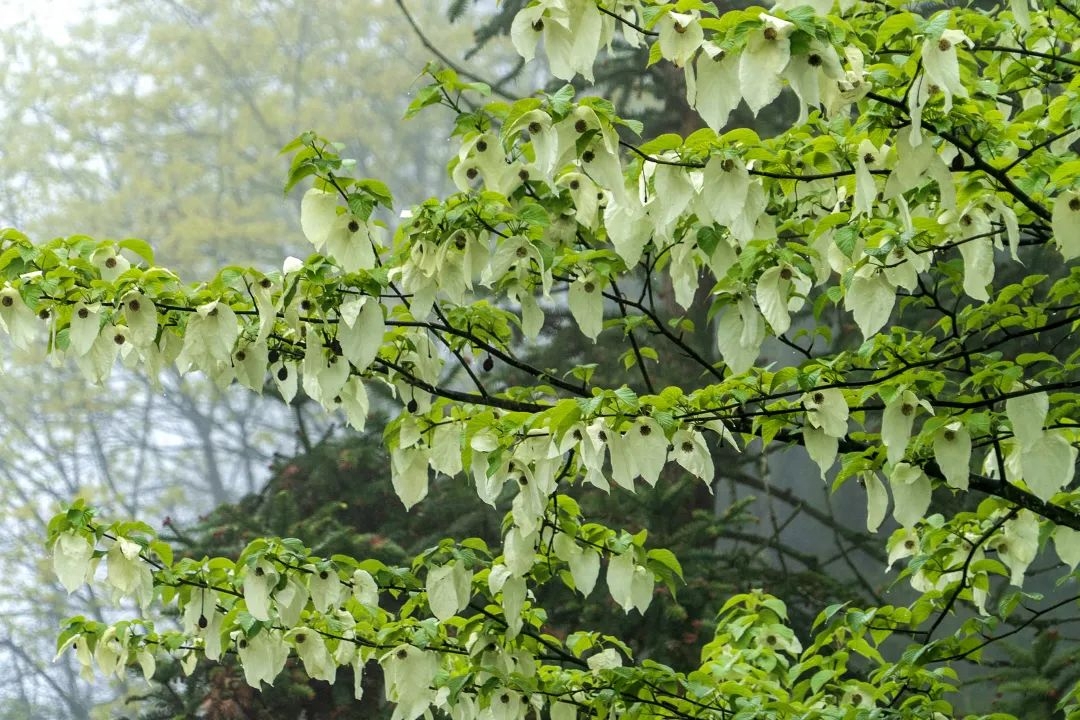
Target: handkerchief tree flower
{"type": "Point", "coordinates": [927, 176]}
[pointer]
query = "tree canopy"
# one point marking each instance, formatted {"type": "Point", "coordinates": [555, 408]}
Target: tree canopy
{"type": "Point", "coordinates": [908, 239]}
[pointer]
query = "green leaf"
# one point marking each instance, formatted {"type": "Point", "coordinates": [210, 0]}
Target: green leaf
{"type": "Point", "coordinates": [140, 248]}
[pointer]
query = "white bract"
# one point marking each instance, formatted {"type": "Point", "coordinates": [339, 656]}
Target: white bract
{"type": "Point", "coordinates": [767, 52]}
{"type": "Point", "coordinates": [680, 36]}
{"type": "Point", "coordinates": [259, 581]}
{"type": "Point", "coordinates": [952, 450]}
{"type": "Point", "coordinates": [573, 32]}
{"type": "Point", "coordinates": [71, 560]}
{"type": "Point", "coordinates": [1066, 223]}
{"type": "Point", "coordinates": [630, 584]}
{"type": "Point", "coordinates": [827, 409]}
{"type": "Point", "coordinates": [712, 85]}
{"type": "Point", "coordinates": [129, 573]}
{"type": "Point", "coordinates": [942, 66]}
{"type": "Point", "coordinates": [262, 656]}
{"type": "Point", "coordinates": [16, 318]}
{"type": "Point", "coordinates": [911, 494]}
{"type": "Point", "coordinates": [449, 588]}
{"type": "Point", "coordinates": [346, 238]}
{"type": "Point", "coordinates": [587, 305]}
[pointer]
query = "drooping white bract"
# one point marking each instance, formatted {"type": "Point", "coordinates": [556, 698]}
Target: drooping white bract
{"type": "Point", "coordinates": [903, 543]}
{"type": "Point", "coordinates": [448, 588]}
{"type": "Point", "coordinates": [364, 589]}
{"type": "Point", "coordinates": [1019, 544]}
{"type": "Point", "coordinates": [519, 550]}
{"type": "Point", "coordinates": [584, 562]}
{"type": "Point", "coordinates": [1027, 414]}
{"type": "Point", "coordinates": [209, 339]}
{"type": "Point", "coordinates": [587, 304]}
{"type": "Point", "coordinates": [484, 153]}
{"type": "Point", "coordinates": [630, 584]}
{"type": "Point", "coordinates": [911, 493]}
{"type": "Point", "coordinates": [285, 374]}
{"type": "Point", "coordinates": [97, 364]}
{"type": "Point", "coordinates": [409, 674]}
{"type": "Point", "coordinates": [780, 290]}
{"type": "Point", "coordinates": [290, 599]}
{"type": "Point", "coordinates": [820, 446]}
{"type": "Point", "coordinates": [111, 653]}
{"type": "Point", "coordinates": [1065, 223]}
{"type": "Point", "coordinates": [851, 87]}
{"type": "Point", "coordinates": [725, 183]}
{"type": "Point", "coordinates": [573, 32]}
{"type": "Point", "coordinates": [262, 656]}
{"type": "Point", "coordinates": [311, 647]}
{"type": "Point", "coordinates": [870, 298]}
{"type": "Point", "coordinates": [605, 660]}
{"type": "Point", "coordinates": [952, 450]}
{"type": "Point", "coordinates": [648, 447]}
{"type": "Point", "coordinates": [202, 620]}
{"type": "Point", "coordinates": [326, 589]}
{"type": "Point", "coordinates": [1048, 464]}
{"type": "Point", "coordinates": [360, 331]}
{"type": "Point", "coordinates": [684, 272]}
{"type": "Point", "coordinates": [259, 580]}
{"type": "Point", "coordinates": [877, 500]}
{"type": "Point", "coordinates": [628, 228]}
{"type": "Point", "coordinates": [680, 36]}
{"type": "Point", "coordinates": [347, 238]}
{"type": "Point", "coordinates": [85, 326]}
{"type": "Point", "coordinates": [903, 266]}
{"type": "Point", "coordinates": [536, 128]}
{"type": "Point", "coordinates": [1067, 545]}
{"type": "Point", "coordinates": [600, 161]}
{"type": "Point", "coordinates": [128, 573]}
{"type": "Point", "coordinates": [767, 52]}
{"type": "Point", "coordinates": [585, 194]}
{"type": "Point", "coordinates": [692, 453]}
{"type": "Point", "coordinates": [942, 66]}
{"type": "Point", "coordinates": [71, 560]}
{"type": "Point", "coordinates": [513, 589]}
{"type": "Point", "coordinates": [712, 85]}
{"type": "Point", "coordinates": [740, 330]}
{"type": "Point", "coordinates": [897, 421]}
{"type": "Point", "coordinates": [140, 314]}
{"type": "Point", "coordinates": [865, 188]}
{"type": "Point", "coordinates": [109, 262]}
{"type": "Point", "coordinates": [409, 474]}
{"type": "Point", "coordinates": [812, 74]}
{"type": "Point", "coordinates": [250, 363]}
{"type": "Point", "coordinates": [973, 232]}
{"type": "Point", "coordinates": [17, 319]}
{"type": "Point", "coordinates": [827, 409]}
